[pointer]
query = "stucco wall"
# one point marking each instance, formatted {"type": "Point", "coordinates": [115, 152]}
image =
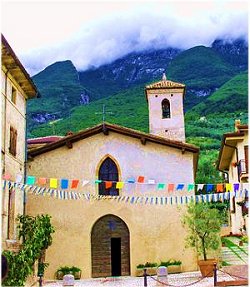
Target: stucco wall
{"type": "Point", "coordinates": [172, 127]}
{"type": "Point", "coordinates": [156, 232]}
{"type": "Point", "coordinates": [12, 115]}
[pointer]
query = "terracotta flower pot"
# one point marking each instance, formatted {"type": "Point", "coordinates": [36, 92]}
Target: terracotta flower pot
{"type": "Point", "coordinates": [207, 267]}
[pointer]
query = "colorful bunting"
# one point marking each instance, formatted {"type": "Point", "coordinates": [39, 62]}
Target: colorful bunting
{"type": "Point", "coordinates": [151, 181]}
{"type": "Point", "coordinates": [229, 187]}
{"type": "Point", "coordinates": [161, 186]}
{"type": "Point", "coordinates": [85, 182]}
{"type": "Point", "coordinates": [119, 184]}
{"type": "Point", "coordinates": [170, 187]}
{"type": "Point", "coordinates": [140, 179]}
{"type": "Point", "coordinates": [53, 183]}
{"type": "Point", "coordinates": [42, 180]}
{"type": "Point", "coordinates": [236, 186]}
{"type": "Point", "coordinates": [200, 187]}
{"type": "Point", "coordinates": [191, 187]}
{"type": "Point", "coordinates": [6, 176]}
{"type": "Point", "coordinates": [98, 181]}
{"type": "Point", "coordinates": [74, 183]}
{"type": "Point", "coordinates": [31, 180]}
{"type": "Point", "coordinates": [180, 186]}
{"type": "Point", "coordinates": [131, 180]}
{"type": "Point", "coordinates": [108, 184]}
{"type": "Point", "coordinates": [220, 187]}
{"type": "Point", "coordinates": [19, 178]}
{"type": "Point", "coordinates": [210, 187]}
{"type": "Point", "coordinates": [64, 183]}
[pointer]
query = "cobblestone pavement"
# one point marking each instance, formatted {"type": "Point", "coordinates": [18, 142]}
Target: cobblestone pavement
{"type": "Point", "coordinates": [174, 280]}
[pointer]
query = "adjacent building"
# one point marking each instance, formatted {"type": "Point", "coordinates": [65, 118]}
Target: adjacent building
{"type": "Point", "coordinates": [233, 160]}
{"type": "Point", "coordinates": [16, 88]}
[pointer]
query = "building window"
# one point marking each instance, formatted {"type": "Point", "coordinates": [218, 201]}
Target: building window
{"type": "Point", "coordinates": [13, 95]}
{"type": "Point", "coordinates": [246, 157]}
{"type": "Point", "coordinates": [108, 173]}
{"type": "Point", "coordinates": [165, 105]}
{"type": "Point", "coordinates": [13, 141]}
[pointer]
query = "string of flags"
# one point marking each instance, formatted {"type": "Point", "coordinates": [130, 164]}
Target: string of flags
{"type": "Point", "coordinates": [160, 200]}
{"type": "Point", "coordinates": [74, 184]}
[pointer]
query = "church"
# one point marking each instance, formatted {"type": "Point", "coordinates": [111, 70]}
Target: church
{"type": "Point", "coordinates": [126, 181]}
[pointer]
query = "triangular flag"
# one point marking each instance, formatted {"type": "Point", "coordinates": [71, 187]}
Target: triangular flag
{"type": "Point", "coordinates": [180, 186]}
{"type": "Point", "coordinates": [98, 181]}
{"type": "Point", "coordinates": [140, 179]}
{"type": "Point", "coordinates": [53, 183]}
{"type": "Point", "coordinates": [119, 184]}
{"type": "Point", "coordinates": [220, 187]}
{"type": "Point", "coordinates": [200, 187]}
{"type": "Point", "coordinates": [131, 180]}
{"type": "Point", "coordinates": [108, 184]}
{"type": "Point", "coordinates": [31, 180]}
{"type": "Point", "coordinates": [64, 183]}
{"type": "Point", "coordinates": [42, 180]}
{"type": "Point", "coordinates": [229, 187]}
{"type": "Point", "coordinates": [171, 187]}
{"type": "Point", "coordinates": [191, 187]}
{"type": "Point", "coordinates": [85, 182]}
{"type": "Point", "coordinates": [74, 183]}
{"type": "Point", "coordinates": [161, 186]}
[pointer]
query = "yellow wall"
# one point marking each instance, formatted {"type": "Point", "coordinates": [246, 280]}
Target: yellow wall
{"type": "Point", "coordinates": [156, 232]}
{"type": "Point", "coordinates": [12, 115]}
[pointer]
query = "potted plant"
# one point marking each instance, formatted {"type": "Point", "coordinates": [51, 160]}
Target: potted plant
{"type": "Point", "coordinates": [203, 223]}
{"type": "Point", "coordinates": [151, 269]}
{"type": "Point", "coordinates": [68, 270]}
{"type": "Point", "coordinates": [174, 266]}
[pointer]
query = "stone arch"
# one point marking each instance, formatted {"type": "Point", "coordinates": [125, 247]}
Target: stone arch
{"type": "Point", "coordinates": [110, 247]}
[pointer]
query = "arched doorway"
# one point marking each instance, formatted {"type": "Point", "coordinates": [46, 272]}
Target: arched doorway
{"type": "Point", "coordinates": [110, 251]}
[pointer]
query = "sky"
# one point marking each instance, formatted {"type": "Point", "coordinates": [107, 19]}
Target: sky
{"type": "Point", "coordinates": [91, 33]}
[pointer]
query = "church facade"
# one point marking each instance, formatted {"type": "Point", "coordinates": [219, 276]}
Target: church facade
{"type": "Point", "coordinates": [117, 227]}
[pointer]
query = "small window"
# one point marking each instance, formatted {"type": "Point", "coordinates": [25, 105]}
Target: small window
{"type": "Point", "coordinates": [165, 104]}
{"type": "Point", "coordinates": [13, 141]}
{"type": "Point", "coordinates": [13, 95]}
{"type": "Point", "coordinates": [108, 172]}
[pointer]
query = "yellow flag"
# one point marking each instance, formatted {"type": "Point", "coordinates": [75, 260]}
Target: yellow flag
{"type": "Point", "coordinates": [53, 183]}
{"type": "Point", "coordinates": [229, 187]}
{"type": "Point", "coordinates": [119, 184]}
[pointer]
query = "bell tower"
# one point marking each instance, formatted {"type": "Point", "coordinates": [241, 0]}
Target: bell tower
{"type": "Point", "coordinates": [165, 105]}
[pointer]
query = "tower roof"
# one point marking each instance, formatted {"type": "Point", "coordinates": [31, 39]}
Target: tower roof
{"type": "Point", "coordinates": [165, 84]}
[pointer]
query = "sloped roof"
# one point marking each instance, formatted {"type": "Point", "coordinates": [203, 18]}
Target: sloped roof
{"type": "Point", "coordinates": [228, 145]}
{"type": "Point", "coordinates": [17, 70]}
{"type": "Point", "coordinates": [165, 84]}
{"type": "Point", "coordinates": [106, 128]}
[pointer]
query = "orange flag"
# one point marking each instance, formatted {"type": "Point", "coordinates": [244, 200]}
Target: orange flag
{"type": "Point", "coordinates": [74, 183]}
{"type": "Point", "coordinates": [220, 187]}
{"type": "Point", "coordinates": [108, 184]}
{"type": "Point", "coordinates": [42, 180]}
{"type": "Point", "coordinates": [171, 187]}
{"type": "Point", "coordinates": [140, 179]}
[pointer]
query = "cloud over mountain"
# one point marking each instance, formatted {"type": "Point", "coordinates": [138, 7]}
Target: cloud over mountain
{"type": "Point", "coordinates": [109, 38]}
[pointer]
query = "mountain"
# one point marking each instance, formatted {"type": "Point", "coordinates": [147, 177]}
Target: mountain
{"type": "Point", "coordinates": [202, 69]}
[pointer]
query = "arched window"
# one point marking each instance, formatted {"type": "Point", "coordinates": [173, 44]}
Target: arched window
{"type": "Point", "coordinates": [165, 105]}
{"type": "Point", "coordinates": [108, 173]}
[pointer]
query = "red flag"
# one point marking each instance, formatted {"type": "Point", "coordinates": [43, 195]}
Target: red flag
{"type": "Point", "coordinates": [42, 180]}
{"type": "Point", "coordinates": [74, 183]}
{"type": "Point", "coordinates": [140, 179]}
{"type": "Point", "coordinates": [171, 187]}
{"type": "Point", "coordinates": [108, 184]}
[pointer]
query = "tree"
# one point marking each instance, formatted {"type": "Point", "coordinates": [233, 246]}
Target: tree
{"type": "Point", "coordinates": [36, 233]}
{"type": "Point", "coordinates": [203, 222]}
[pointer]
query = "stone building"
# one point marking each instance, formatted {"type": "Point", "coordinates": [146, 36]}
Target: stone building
{"type": "Point", "coordinates": [233, 160]}
{"type": "Point", "coordinates": [16, 88]}
{"type": "Point", "coordinates": [108, 235]}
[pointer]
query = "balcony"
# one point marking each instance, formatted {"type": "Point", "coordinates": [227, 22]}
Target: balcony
{"type": "Point", "coordinates": [243, 169]}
